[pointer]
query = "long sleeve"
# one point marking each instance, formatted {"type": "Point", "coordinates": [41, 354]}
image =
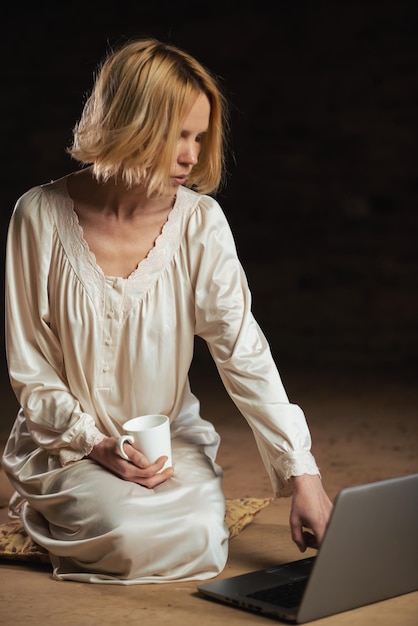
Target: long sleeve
{"type": "Point", "coordinates": [36, 366]}
{"type": "Point", "coordinates": [241, 352]}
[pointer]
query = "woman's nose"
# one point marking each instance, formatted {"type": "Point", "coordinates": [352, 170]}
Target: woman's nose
{"type": "Point", "coordinates": [189, 155]}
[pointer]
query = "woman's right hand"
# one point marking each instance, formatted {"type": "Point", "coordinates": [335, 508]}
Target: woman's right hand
{"type": "Point", "coordinates": [137, 470]}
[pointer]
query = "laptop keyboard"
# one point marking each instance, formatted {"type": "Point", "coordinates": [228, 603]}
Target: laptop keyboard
{"type": "Point", "coordinates": [288, 595]}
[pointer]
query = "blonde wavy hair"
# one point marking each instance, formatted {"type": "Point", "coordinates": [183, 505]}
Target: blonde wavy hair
{"type": "Point", "coordinates": [132, 119]}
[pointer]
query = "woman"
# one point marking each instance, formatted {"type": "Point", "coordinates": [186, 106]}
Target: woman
{"type": "Point", "coordinates": [111, 272]}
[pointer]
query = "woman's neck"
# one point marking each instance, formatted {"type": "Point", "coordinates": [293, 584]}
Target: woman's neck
{"type": "Point", "coordinates": [114, 197]}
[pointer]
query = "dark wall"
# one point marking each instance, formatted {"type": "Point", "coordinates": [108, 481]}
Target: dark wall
{"type": "Point", "coordinates": [322, 186]}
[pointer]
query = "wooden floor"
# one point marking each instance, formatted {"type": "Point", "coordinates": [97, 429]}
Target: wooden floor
{"type": "Point", "coordinates": [364, 427]}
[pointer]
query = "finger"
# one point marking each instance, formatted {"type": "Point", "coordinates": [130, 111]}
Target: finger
{"type": "Point", "coordinates": [136, 457]}
{"type": "Point", "coordinates": [317, 530]}
{"type": "Point", "coordinates": [297, 535]}
{"type": "Point", "coordinates": [156, 479]}
{"type": "Point", "coordinates": [159, 478]}
{"type": "Point", "coordinates": [160, 462]}
{"type": "Point", "coordinates": [138, 474]}
{"type": "Point", "coordinates": [151, 468]}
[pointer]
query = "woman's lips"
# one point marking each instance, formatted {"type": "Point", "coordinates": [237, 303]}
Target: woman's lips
{"type": "Point", "coordinates": [180, 180]}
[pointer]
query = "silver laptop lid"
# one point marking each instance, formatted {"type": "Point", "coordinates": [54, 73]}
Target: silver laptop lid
{"type": "Point", "coordinates": [370, 552]}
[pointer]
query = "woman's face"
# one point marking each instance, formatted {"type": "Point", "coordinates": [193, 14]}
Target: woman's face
{"type": "Point", "coordinates": [195, 125]}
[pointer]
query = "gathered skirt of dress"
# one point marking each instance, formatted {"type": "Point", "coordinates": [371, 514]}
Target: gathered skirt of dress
{"type": "Point", "coordinates": [99, 528]}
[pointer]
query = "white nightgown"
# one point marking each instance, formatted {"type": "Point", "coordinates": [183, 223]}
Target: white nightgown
{"type": "Point", "coordinates": [86, 352]}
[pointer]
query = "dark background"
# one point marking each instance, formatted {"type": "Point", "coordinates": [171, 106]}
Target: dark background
{"type": "Point", "coordinates": [322, 184]}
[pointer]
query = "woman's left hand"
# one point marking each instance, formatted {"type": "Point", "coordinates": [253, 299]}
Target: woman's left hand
{"type": "Point", "coordinates": [136, 469]}
{"type": "Point", "coordinates": [311, 509]}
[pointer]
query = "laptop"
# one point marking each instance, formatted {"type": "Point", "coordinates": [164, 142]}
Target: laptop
{"type": "Point", "coordinates": [369, 553]}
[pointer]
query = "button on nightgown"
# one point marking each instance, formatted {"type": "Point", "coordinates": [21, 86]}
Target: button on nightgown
{"type": "Point", "coordinates": [86, 352]}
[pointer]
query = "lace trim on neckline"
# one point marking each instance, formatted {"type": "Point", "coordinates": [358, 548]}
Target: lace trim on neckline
{"type": "Point", "coordinates": [84, 261]}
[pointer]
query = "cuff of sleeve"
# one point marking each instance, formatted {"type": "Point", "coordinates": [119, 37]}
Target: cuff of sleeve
{"type": "Point", "coordinates": [296, 464]}
{"type": "Point", "coordinates": [85, 443]}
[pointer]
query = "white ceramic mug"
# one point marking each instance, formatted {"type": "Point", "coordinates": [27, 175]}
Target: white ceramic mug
{"type": "Point", "coordinates": [150, 434]}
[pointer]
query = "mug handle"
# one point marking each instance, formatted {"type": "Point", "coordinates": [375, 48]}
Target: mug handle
{"type": "Point", "coordinates": [119, 446]}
